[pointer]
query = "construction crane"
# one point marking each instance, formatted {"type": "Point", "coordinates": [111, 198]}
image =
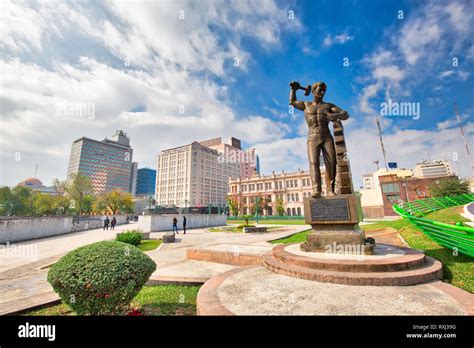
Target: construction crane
{"type": "Point", "coordinates": [463, 136]}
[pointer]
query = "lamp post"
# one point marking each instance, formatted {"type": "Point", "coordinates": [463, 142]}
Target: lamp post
{"type": "Point", "coordinates": [257, 201]}
{"type": "Point", "coordinates": [149, 203]}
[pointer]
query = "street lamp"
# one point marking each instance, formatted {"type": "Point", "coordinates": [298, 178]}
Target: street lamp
{"type": "Point", "coordinates": [257, 201]}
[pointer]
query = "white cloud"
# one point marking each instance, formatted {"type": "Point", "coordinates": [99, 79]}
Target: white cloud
{"type": "Point", "coordinates": [172, 67]}
{"type": "Point", "coordinates": [424, 43]}
{"type": "Point", "coordinates": [330, 40]}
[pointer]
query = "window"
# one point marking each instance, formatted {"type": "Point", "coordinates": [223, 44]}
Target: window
{"type": "Point", "coordinates": [390, 187]}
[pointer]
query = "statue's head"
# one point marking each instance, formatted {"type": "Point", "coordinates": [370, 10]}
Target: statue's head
{"type": "Point", "coordinates": [318, 89]}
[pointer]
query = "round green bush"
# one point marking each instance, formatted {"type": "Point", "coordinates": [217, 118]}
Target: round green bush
{"type": "Point", "coordinates": [101, 278]}
{"type": "Point", "coordinates": [130, 237]}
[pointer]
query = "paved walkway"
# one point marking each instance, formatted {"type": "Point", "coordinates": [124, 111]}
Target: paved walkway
{"type": "Point", "coordinates": [468, 213]}
{"type": "Point", "coordinates": [259, 291]}
{"type": "Point", "coordinates": [23, 280]}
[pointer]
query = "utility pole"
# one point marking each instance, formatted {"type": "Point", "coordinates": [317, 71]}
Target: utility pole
{"type": "Point", "coordinates": [377, 164]}
{"type": "Point", "coordinates": [463, 136]}
{"type": "Point", "coordinates": [381, 142]}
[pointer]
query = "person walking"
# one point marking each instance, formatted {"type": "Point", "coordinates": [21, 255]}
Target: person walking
{"type": "Point", "coordinates": [106, 223]}
{"type": "Point", "coordinates": [113, 222]}
{"type": "Point", "coordinates": [184, 224]}
{"type": "Point", "coordinates": [175, 225]}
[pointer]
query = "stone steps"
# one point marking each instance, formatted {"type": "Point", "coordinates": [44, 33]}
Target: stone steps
{"type": "Point", "coordinates": [411, 259]}
{"type": "Point", "coordinates": [430, 270]}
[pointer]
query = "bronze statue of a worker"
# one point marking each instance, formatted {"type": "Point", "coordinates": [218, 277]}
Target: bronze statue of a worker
{"type": "Point", "coordinates": [318, 114]}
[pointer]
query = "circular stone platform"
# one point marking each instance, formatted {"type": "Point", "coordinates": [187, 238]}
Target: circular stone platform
{"type": "Point", "coordinates": [259, 291]}
{"type": "Point", "coordinates": [390, 265]}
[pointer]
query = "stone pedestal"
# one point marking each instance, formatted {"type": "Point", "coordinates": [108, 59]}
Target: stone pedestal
{"type": "Point", "coordinates": [335, 225]}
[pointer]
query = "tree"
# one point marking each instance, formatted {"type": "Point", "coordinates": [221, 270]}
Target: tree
{"type": "Point", "coordinates": [280, 206]}
{"type": "Point", "coordinates": [6, 201]}
{"type": "Point", "coordinates": [63, 203]}
{"type": "Point", "coordinates": [113, 201]}
{"type": "Point", "coordinates": [44, 204]}
{"type": "Point", "coordinates": [88, 204]}
{"type": "Point", "coordinates": [449, 187]}
{"type": "Point", "coordinates": [22, 201]}
{"type": "Point", "coordinates": [78, 188]}
{"type": "Point", "coordinates": [59, 187]}
{"type": "Point", "coordinates": [233, 206]}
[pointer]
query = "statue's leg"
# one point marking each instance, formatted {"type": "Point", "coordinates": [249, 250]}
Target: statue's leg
{"type": "Point", "coordinates": [330, 162]}
{"type": "Point", "coordinates": [314, 172]}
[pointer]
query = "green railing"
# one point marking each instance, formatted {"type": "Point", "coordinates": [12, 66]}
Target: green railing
{"type": "Point", "coordinates": [455, 237]}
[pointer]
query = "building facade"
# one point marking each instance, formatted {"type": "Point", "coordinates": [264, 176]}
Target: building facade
{"type": "Point", "coordinates": [266, 191]}
{"type": "Point", "coordinates": [232, 152]}
{"type": "Point", "coordinates": [434, 169]}
{"type": "Point", "coordinates": [386, 187]}
{"type": "Point", "coordinates": [133, 178]}
{"type": "Point", "coordinates": [198, 174]}
{"type": "Point", "coordinates": [108, 163]}
{"type": "Point", "coordinates": [36, 185]}
{"type": "Point", "coordinates": [146, 180]}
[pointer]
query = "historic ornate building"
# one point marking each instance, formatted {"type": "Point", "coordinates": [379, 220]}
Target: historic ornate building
{"type": "Point", "coordinates": [265, 190]}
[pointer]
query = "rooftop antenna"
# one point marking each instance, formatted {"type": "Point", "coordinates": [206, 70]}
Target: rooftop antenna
{"type": "Point", "coordinates": [463, 136]}
{"type": "Point", "coordinates": [381, 143]}
{"type": "Point", "coordinates": [36, 169]}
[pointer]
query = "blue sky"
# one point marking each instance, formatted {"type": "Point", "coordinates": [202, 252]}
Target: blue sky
{"type": "Point", "coordinates": [165, 72]}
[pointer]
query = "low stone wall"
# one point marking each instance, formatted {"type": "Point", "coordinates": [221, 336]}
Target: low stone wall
{"type": "Point", "coordinates": [156, 223]}
{"type": "Point", "coordinates": [27, 228]}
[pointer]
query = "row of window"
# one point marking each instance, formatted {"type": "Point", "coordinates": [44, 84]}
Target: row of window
{"type": "Point", "coordinates": [305, 182]}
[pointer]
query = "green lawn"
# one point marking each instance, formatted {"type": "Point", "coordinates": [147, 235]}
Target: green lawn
{"type": "Point", "coordinates": [295, 238]}
{"type": "Point", "coordinates": [149, 244]}
{"type": "Point", "coordinates": [457, 270]}
{"type": "Point", "coordinates": [152, 300]}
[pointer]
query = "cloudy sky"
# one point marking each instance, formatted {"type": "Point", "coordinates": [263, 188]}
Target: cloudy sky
{"type": "Point", "coordinates": [170, 72]}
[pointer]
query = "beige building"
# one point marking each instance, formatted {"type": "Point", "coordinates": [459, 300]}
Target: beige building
{"type": "Point", "coordinates": [434, 169]}
{"type": "Point", "coordinates": [197, 174]}
{"type": "Point", "coordinates": [290, 187]}
{"type": "Point", "coordinates": [372, 199]}
{"type": "Point", "coordinates": [232, 152]}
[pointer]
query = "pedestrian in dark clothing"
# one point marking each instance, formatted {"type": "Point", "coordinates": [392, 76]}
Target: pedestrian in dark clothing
{"type": "Point", "coordinates": [175, 225]}
{"type": "Point", "coordinates": [184, 224]}
{"type": "Point", "coordinates": [106, 223]}
{"type": "Point", "coordinates": [113, 222]}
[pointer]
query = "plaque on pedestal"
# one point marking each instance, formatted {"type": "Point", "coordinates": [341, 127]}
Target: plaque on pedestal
{"type": "Point", "coordinates": [335, 222]}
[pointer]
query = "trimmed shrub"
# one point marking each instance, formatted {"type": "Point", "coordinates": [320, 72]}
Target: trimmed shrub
{"type": "Point", "coordinates": [101, 278]}
{"type": "Point", "coordinates": [130, 237]}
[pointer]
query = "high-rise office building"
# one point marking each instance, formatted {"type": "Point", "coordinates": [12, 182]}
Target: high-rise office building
{"type": "Point", "coordinates": [146, 179]}
{"type": "Point", "coordinates": [198, 174]}
{"type": "Point", "coordinates": [108, 163]}
{"type": "Point", "coordinates": [133, 178]}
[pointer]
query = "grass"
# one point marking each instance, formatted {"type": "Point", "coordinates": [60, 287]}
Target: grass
{"type": "Point", "coordinates": [457, 270]}
{"type": "Point", "coordinates": [270, 222]}
{"type": "Point", "coordinates": [295, 238]}
{"type": "Point", "coordinates": [162, 300]}
{"type": "Point", "coordinates": [149, 244]}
